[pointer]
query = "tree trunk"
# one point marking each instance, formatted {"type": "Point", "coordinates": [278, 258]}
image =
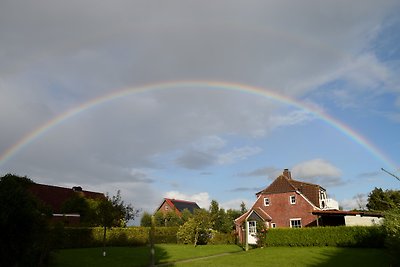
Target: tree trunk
{"type": "Point", "coordinates": [196, 237]}
{"type": "Point", "coordinates": [104, 241]}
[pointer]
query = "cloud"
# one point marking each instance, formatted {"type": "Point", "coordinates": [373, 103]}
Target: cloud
{"type": "Point", "coordinates": [270, 172]}
{"type": "Point", "coordinates": [246, 189]}
{"type": "Point", "coordinates": [57, 56]}
{"type": "Point", "coordinates": [318, 171]}
{"type": "Point", "coordinates": [202, 199]}
{"type": "Point", "coordinates": [195, 160]}
{"type": "Point", "coordinates": [359, 201]}
{"type": "Point", "coordinates": [235, 204]}
{"type": "Point", "coordinates": [292, 118]}
{"type": "Point", "coordinates": [237, 154]}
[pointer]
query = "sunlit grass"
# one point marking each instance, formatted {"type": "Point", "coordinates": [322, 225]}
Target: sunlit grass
{"type": "Point", "coordinates": [186, 255]}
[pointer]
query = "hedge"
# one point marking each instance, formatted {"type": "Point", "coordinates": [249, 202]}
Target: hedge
{"type": "Point", "coordinates": [340, 236]}
{"type": "Point", "coordinates": [130, 236]}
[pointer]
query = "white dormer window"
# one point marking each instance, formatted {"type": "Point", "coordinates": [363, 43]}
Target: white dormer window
{"type": "Point", "coordinates": [292, 199]}
{"type": "Point", "coordinates": [266, 201]}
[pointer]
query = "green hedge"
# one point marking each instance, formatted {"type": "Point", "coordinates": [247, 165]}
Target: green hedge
{"type": "Point", "coordinates": [341, 236]}
{"type": "Point", "coordinates": [222, 238]}
{"type": "Point", "coordinates": [130, 236]}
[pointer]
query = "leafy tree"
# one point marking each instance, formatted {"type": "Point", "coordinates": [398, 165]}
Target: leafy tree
{"type": "Point", "coordinates": [172, 219]}
{"type": "Point", "coordinates": [186, 215]}
{"type": "Point", "coordinates": [243, 208]}
{"type": "Point", "coordinates": [79, 204]}
{"type": "Point", "coordinates": [25, 237]}
{"type": "Point", "coordinates": [380, 200]}
{"type": "Point", "coordinates": [197, 229]}
{"type": "Point", "coordinates": [392, 226]}
{"type": "Point", "coordinates": [159, 219]}
{"type": "Point", "coordinates": [112, 211]}
{"type": "Point", "coordinates": [146, 220]}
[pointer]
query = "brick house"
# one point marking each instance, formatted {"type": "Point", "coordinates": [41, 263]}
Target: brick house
{"type": "Point", "coordinates": [284, 203]}
{"type": "Point", "coordinates": [54, 197]}
{"type": "Point", "coordinates": [177, 205]}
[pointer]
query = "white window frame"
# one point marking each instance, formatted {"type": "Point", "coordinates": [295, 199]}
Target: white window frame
{"type": "Point", "coordinates": [295, 225]}
{"type": "Point", "coordinates": [252, 227]}
{"type": "Point", "coordinates": [166, 207]}
{"type": "Point", "coordinates": [266, 199]}
{"type": "Point", "coordinates": [292, 199]}
{"type": "Point", "coordinates": [273, 225]}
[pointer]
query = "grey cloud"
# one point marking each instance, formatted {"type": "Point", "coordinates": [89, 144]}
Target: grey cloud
{"type": "Point", "coordinates": [270, 172]}
{"type": "Point", "coordinates": [195, 160]}
{"type": "Point", "coordinates": [246, 189]}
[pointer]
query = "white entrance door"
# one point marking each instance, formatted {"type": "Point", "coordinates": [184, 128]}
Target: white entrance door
{"type": "Point", "coordinates": [252, 234]}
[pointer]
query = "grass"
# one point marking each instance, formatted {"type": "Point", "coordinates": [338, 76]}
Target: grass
{"type": "Point", "coordinates": [299, 256]}
{"type": "Point", "coordinates": [136, 256]}
{"type": "Point", "coordinates": [190, 256]}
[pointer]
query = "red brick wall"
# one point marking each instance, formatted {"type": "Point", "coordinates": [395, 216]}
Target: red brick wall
{"type": "Point", "coordinates": [282, 211]}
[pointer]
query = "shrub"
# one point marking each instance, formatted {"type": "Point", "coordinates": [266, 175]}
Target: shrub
{"type": "Point", "coordinates": [218, 238]}
{"type": "Point", "coordinates": [341, 236]}
{"type": "Point", "coordinates": [129, 236]}
{"type": "Point", "coordinates": [392, 229]}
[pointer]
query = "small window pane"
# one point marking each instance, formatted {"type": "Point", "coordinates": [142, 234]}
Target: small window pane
{"type": "Point", "coordinates": [295, 223]}
{"type": "Point", "coordinates": [266, 201]}
{"type": "Point", "coordinates": [292, 199]}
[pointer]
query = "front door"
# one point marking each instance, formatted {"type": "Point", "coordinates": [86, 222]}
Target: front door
{"type": "Point", "coordinates": [252, 234]}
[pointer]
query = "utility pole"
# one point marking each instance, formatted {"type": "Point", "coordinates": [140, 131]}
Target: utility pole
{"type": "Point", "coordinates": [395, 176]}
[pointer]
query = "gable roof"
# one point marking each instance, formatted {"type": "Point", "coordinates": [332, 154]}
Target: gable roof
{"type": "Point", "coordinates": [55, 196]}
{"type": "Point", "coordinates": [284, 183]}
{"type": "Point", "coordinates": [180, 205]}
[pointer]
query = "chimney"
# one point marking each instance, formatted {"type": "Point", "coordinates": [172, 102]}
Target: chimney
{"type": "Point", "coordinates": [287, 174]}
{"type": "Point", "coordinates": [77, 189]}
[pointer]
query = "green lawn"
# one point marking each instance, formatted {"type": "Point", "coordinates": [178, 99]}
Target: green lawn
{"type": "Point", "coordinates": [136, 256]}
{"type": "Point", "coordinates": [186, 256]}
{"type": "Point", "coordinates": [299, 256]}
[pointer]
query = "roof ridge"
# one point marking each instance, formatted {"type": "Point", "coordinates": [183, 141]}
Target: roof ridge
{"type": "Point", "coordinates": [180, 200]}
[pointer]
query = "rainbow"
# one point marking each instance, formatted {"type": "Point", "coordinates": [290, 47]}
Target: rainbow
{"type": "Point", "coordinates": [210, 85]}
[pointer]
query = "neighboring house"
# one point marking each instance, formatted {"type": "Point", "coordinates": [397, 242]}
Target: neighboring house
{"type": "Point", "coordinates": [284, 203]}
{"type": "Point", "coordinates": [177, 205]}
{"type": "Point", "coordinates": [54, 197]}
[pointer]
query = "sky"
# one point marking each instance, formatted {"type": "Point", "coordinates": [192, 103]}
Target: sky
{"type": "Point", "coordinates": [201, 100]}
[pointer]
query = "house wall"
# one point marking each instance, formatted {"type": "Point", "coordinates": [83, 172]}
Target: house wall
{"type": "Point", "coordinates": [282, 211]}
{"type": "Point", "coordinates": [165, 207]}
{"type": "Point", "coordinates": [362, 220]}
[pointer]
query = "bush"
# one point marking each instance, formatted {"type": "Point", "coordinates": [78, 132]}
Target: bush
{"type": "Point", "coordinates": [341, 236]}
{"type": "Point", "coordinates": [392, 229]}
{"type": "Point", "coordinates": [218, 238]}
{"type": "Point", "coordinates": [129, 236]}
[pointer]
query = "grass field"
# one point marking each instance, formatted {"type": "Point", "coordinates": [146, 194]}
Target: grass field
{"type": "Point", "coordinates": [181, 255]}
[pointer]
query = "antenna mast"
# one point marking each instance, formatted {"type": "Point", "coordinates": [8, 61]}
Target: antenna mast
{"type": "Point", "coordinates": [395, 176]}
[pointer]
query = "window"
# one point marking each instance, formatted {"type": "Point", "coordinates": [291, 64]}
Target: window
{"type": "Point", "coordinates": [292, 199]}
{"type": "Point", "coordinates": [295, 223]}
{"type": "Point", "coordinates": [266, 201]}
{"type": "Point", "coordinates": [166, 207]}
{"type": "Point", "coordinates": [252, 227]}
{"type": "Point", "coordinates": [273, 225]}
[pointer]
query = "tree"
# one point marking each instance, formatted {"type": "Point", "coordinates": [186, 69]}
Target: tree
{"type": "Point", "coordinates": [243, 208]}
{"type": "Point", "coordinates": [391, 225]}
{"type": "Point", "coordinates": [380, 200]}
{"type": "Point", "coordinates": [25, 236]}
{"type": "Point", "coordinates": [146, 220]}
{"type": "Point", "coordinates": [112, 211]}
{"type": "Point", "coordinates": [197, 229]}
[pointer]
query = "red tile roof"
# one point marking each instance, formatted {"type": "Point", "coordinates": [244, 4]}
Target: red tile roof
{"type": "Point", "coordinates": [284, 183]}
{"type": "Point", "coordinates": [55, 196]}
{"type": "Point", "coordinates": [180, 205]}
